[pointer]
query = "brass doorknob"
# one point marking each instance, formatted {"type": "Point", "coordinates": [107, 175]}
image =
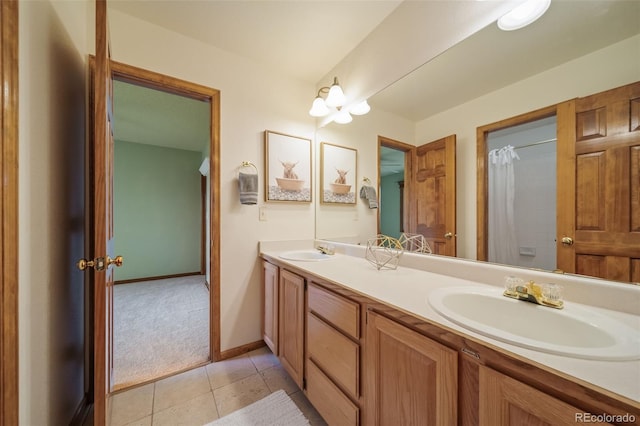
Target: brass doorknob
{"type": "Point", "coordinates": [448, 235]}
{"type": "Point", "coordinates": [99, 263]}
{"type": "Point", "coordinates": [117, 261]}
{"type": "Point", "coordinates": [84, 264]}
{"type": "Point", "coordinates": [567, 241]}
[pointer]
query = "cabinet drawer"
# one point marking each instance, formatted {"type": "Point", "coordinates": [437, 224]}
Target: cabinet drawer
{"type": "Point", "coordinates": [336, 354]}
{"type": "Point", "coordinates": [340, 312]}
{"type": "Point", "coordinates": [331, 403]}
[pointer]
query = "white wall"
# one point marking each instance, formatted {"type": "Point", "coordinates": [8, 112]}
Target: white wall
{"type": "Point", "coordinates": [52, 61]}
{"type": "Point", "coordinates": [605, 69]}
{"type": "Point", "coordinates": [253, 99]}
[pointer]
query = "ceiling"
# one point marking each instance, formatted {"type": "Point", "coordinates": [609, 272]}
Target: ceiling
{"type": "Point", "coordinates": [492, 58]}
{"type": "Point", "coordinates": [305, 39]}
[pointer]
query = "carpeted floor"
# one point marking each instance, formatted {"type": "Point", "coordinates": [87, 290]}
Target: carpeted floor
{"type": "Point", "coordinates": [160, 327]}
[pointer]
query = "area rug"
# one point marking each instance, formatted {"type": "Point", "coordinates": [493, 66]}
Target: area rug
{"type": "Point", "coordinates": [276, 409]}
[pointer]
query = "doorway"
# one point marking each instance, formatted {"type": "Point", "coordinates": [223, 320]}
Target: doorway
{"type": "Point", "coordinates": [522, 194]}
{"type": "Point", "coordinates": [183, 177]}
{"type": "Point", "coordinates": [161, 309]}
{"type": "Point", "coordinates": [394, 161]}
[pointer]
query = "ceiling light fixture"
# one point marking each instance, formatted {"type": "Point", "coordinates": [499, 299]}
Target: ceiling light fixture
{"type": "Point", "coordinates": [523, 15]}
{"type": "Point", "coordinates": [334, 103]}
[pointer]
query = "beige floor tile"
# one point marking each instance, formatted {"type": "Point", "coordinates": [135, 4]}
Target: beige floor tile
{"type": "Point", "coordinates": [225, 372]}
{"type": "Point", "coordinates": [147, 421]}
{"type": "Point", "coordinates": [132, 405]}
{"type": "Point", "coordinates": [277, 378]}
{"type": "Point", "coordinates": [240, 394]}
{"type": "Point", "coordinates": [307, 409]}
{"type": "Point", "coordinates": [181, 388]}
{"type": "Point", "coordinates": [263, 358]}
{"type": "Point", "coordinates": [195, 412]}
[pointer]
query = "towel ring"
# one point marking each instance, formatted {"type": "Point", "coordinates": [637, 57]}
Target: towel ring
{"type": "Point", "coordinates": [366, 179]}
{"type": "Point", "coordinates": [249, 164]}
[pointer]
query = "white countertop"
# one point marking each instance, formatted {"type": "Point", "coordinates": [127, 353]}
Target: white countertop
{"type": "Point", "coordinates": [408, 288]}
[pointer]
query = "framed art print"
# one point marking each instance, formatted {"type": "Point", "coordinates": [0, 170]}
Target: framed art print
{"type": "Point", "coordinates": [338, 168]}
{"type": "Point", "coordinates": [287, 167]}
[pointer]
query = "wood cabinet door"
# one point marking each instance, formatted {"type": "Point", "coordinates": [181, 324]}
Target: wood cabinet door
{"type": "Point", "coordinates": [432, 199]}
{"type": "Point", "coordinates": [411, 380]}
{"type": "Point", "coordinates": [270, 306]}
{"type": "Point", "coordinates": [599, 185]}
{"type": "Point", "coordinates": [291, 328]}
{"type": "Point", "coordinates": [507, 402]}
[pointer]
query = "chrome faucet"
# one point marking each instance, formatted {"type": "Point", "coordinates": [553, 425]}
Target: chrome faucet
{"type": "Point", "coordinates": [540, 294]}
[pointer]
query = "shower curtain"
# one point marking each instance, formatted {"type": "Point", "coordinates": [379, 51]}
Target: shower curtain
{"type": "Point", "coordinates": [503, 245]}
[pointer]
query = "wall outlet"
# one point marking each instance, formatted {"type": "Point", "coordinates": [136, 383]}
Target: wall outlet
{"type": "Point", "coordinates": [262, 214]}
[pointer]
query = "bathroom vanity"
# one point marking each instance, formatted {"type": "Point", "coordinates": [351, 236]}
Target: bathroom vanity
{"type": "Point", "coordinates": [367, 348]}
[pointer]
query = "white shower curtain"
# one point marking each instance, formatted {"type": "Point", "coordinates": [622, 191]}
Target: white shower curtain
{"type": "Point", "coordinates": [503, 245]}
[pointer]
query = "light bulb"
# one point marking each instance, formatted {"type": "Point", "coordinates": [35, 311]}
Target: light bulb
{"type": "Point", "coordinates": [336, 97]}
{"type": "Point", "coordinates": [318, 108]}
{"type": "Point", "coordinates": [360, 109]}
{"type": "Point", "coordinates": [343, 117]}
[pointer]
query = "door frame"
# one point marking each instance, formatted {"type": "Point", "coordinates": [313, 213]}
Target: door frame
{"type": "Point", "coordinates": [482, 178]}
{"type": "Point", "coordinates": [9, 213]}
{"type": "Point", "coordinates": [408, 164]}
{"type": "Point", "coordinates": [165, 83]}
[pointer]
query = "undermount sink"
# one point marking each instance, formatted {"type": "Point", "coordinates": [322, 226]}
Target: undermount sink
{"type": "Point", "coordinates": [575, 331]}
{"type": "Point", "coordinates": [305, 255]}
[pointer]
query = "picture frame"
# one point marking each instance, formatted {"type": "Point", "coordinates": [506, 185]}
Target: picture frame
{"type": "Point", "coordinates": [338, 174]}
{"type": "Point", "coordinates": [288, 168]}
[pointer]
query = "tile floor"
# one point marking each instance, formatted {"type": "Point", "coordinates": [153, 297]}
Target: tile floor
{"type": "Point", "coordinates": [204, 394]}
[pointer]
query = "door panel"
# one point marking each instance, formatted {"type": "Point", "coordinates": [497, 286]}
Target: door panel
{"type": "Point", "coordinates": [432, 199]}
{"type": "Point", "coordinates": [606, 213]}
{"type": "Point", "coordinates": [101, 157]}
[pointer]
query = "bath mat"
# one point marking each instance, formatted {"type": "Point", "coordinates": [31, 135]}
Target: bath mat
{"type": "Point", "coordinates": [276, 409]}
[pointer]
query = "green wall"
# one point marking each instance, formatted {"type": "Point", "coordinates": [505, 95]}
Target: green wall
{"type": "Point", "coordinates": [157, 210]}
{"type": "Point", "coordinates": [390, 206]}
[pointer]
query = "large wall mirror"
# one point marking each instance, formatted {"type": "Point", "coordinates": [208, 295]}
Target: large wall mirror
{"type": "Point", "coordinates": [576, 49]}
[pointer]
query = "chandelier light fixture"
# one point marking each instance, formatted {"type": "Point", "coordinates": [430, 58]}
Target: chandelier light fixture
{"type": "Point", "coordinates": [334, 102]}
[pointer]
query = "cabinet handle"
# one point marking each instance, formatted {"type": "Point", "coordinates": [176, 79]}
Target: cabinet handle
{"type": "Point", "coordinates": [476, 355]}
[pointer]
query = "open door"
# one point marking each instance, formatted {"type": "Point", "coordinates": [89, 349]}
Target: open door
{"type": "Point", "coordinates": [432, 198]}
{"type": "Point", "coordinates": [100, 213]}
{"type": "Point", "coordinates": [599, 185]}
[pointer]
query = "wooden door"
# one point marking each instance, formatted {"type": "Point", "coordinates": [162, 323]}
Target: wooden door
{"type": "Point", "coordinates": [412, 380]}
{"type": "Point", "coordinates": [9, 385]}
{"type": "Point", "coordinates": [270, 305]}
{"type": "Point", "coordinates": [599, 186]}
{"type": "Point", "coordinates": [291, 332]}
{"type": "Point", "coordinates": [432, 197]}
{"type": "Point", "coordinates": [101, 213]}
{"type": "Point", "coordinates": [504, 401]}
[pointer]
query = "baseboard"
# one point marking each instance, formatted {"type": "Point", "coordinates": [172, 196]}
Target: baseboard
{"type": "Point", "coordinates": [241, 350]}
{"type": "Point", "coordinates": [206, 283]}
{"type": "Point", "coordinates": [81, 415]}
{"type": "Point", "coordinates": [159, 277]}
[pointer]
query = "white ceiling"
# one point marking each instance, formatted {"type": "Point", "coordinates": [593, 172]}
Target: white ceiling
{"type": "Point", "coordinates": [307, 38]}
{"type": "Point", "coordinates": [304, 39]}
